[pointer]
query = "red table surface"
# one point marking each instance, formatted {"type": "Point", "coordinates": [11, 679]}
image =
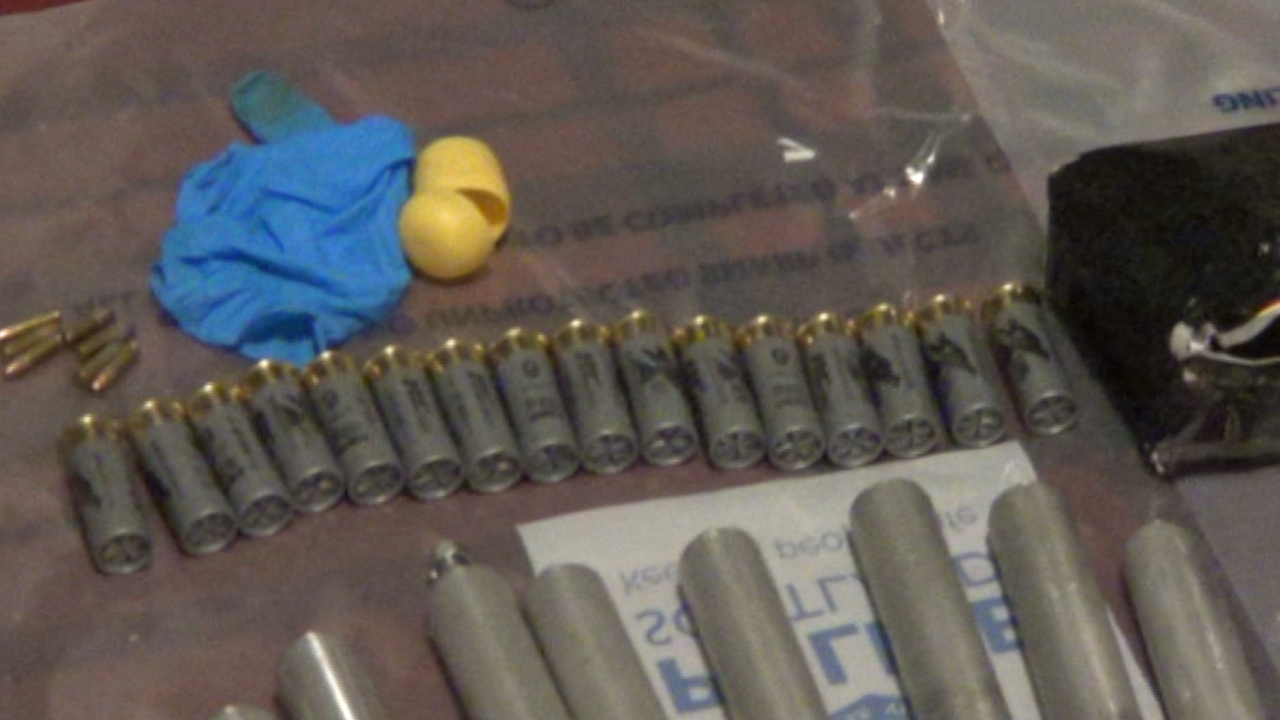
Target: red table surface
{"type": "Point", "coordinates": [730, 158]}
{"type": "Point", "coordinates": [16, 6]}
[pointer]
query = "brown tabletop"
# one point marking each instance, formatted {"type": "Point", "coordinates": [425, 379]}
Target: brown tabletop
{"type": "Point", "coordinates": [698, 157]}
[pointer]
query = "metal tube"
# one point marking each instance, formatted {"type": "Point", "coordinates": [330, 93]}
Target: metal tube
{"type": "Point", "coordinates": [942, 664]}
{"type": "Point", "coordinates": [895, 370]}
{"type": "Point", "coordinates": [1194, 646]}
{"type": "Point", "coordinates": [239, 460]}
{"type": "Point", "coordinates": [791, 423]}
{"type": "Point", "coordinates": [398, 378]}
{"type": "Point", "coordinates": [834, 368]}
{"type": "Point", "coordinates": [743, 628]}
{"type": "Point", "coordinates": [969, 401]}
{"type": "Point", "coordinates": [490, 453]}
{"type": "Point", "coordinates": [181, 481]}
{"type": "Point", "coordinates": [651, 374]}
{"type": "Point", "coordinates": [1069, 644]}
{"type": "Point", "coordinates": [321, 677]}
{"type": "Point", "coordinates": [596, 401]}
{"type": "Point", "coordinates": [488, 652]}
{"type": "Point", "coordinates": [727, 418]}
{"type": "Point", "coordinates": [282, 417]}
{"type": "Point", "coordinates": [354, 428]}
{"type": "Point", "coordinates": [528, 385]}
{"type": "Point", "coordinates": [105, 493]}
{"type": "Point", "coordinates": [1019, 333]}
{"type": "Point", "coordinates": [585, 642]}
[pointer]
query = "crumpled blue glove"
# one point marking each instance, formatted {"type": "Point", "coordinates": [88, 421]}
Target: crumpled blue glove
{"type": "Point", "coordinates": [286, 248]}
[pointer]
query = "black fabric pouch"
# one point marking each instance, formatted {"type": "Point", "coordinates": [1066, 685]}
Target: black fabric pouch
{"type": "Point", "coordinates": [1164, 266]}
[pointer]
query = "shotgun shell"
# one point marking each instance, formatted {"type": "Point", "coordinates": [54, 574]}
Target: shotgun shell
{"type": "Point", "coordinates": [398, 379]}
{"type": "Point", "coordinates": [726, 412]}
{"type": "Point", "coordinates": [1019, 333]}
{"type": "Point", "coordinates": [834, 367]}
{"type": "Point", "coordinates": [240, 462]}
{"type": "Point", "coordinates": [893, 364]}
{"type": "Point", "coordinates": [105, 487]}
{"type": "Point", "coordinates": [791, 424]}
{"type": "Point", "coordinates": [651, 376]}
{"type": "Point", "coordinates": [490, 452]}
{"type": "Point", "coordinates": [527, 382]}
{"type": "Point", "coordinates": [596, 401]}
{"type": "Point", "coordinates": [970, 404]}
{"type": "Point", "coordinates": [350, 419]}
{"type": "Point", "coordinates": [282, 417]}
{"type": "Point", "coordinates": [181, 481]}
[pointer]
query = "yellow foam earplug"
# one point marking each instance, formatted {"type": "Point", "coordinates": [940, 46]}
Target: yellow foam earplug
{"type": "Point", "coordinates": [459, 209]}
{"type": "Point", "coordinates": [443, 235]}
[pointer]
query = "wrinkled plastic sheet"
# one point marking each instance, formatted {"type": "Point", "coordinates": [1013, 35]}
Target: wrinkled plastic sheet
{"type": "Point", "coordinates": [717, 156]}
{"type": "Point", "coordinates": [1054, 82]}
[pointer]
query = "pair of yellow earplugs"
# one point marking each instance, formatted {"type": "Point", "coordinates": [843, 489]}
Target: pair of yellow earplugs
{"type": "Point", "coordinates": [459, 209]}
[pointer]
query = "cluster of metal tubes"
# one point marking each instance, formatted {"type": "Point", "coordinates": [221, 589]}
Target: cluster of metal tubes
{"type": "Point", "coordinates": [1070, 646]}
{"type": "Point", "coordinates": [244, 457]}
{"type": "Point", "coordinates": [559, 651]}
{"type": "Point", "coordinates": [106, 350]}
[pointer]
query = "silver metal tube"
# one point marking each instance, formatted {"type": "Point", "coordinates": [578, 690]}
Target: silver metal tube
{"type": "Point", "coordinates": [105, 486]}
{"type": "Point", "coordinates": [727, 418]}
{"type": "Point", "coordinates": [322, 677]}
{"type": "Point", "coordinates": [240, 461]}
{"type": "Point", "coordinates": [895, 370]}
{"type": "Point", "coordinates": [490, 453]}
{"type": "Point", "coordinates": [585, 642]}
{"type": "Point", "coordinates": [791, 423]}
{"type": "Point", "coordinates": [282, 417]}
{"type": "Point", "coordinates": [488, 652]}
{"type": "Point", "coordinates": [743, 629]}
{"type": "Point", "coordinates": [197, 512]}
{"type": "Point", "coordinates": [528, 385]}
{"type": "Point", "coordinates": [1069, 644]}
{"type": "Point", "coordinates": [1020, 337]}
{"type": "Point", "coordinates": [354, 428]}
{"type": "Point", "coordinates": [1186, 624]}
{"type": "Point", "coordinates": [834, 367]}
{"type": "Point", "coordinates": [942, 664]}
{"type": "Point", "coordinates": [597, 404]}
{"type": "Point", "coordinates": [651, 374]}
{"type": "Point", "coordinates": [969, 400]}
{"type": "Point", "coordinates": [398, 380]}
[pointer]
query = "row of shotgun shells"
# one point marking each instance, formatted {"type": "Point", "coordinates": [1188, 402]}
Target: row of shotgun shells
{"type": "Point", "coordinates": [106, 349]}
{"type": "Point", "coordinates": [245, 457]}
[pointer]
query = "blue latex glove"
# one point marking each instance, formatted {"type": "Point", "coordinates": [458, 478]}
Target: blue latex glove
{"type": "Point", "coordinates": [272, 109]}
{"type": "Point", "coordinates": [286, 248]}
